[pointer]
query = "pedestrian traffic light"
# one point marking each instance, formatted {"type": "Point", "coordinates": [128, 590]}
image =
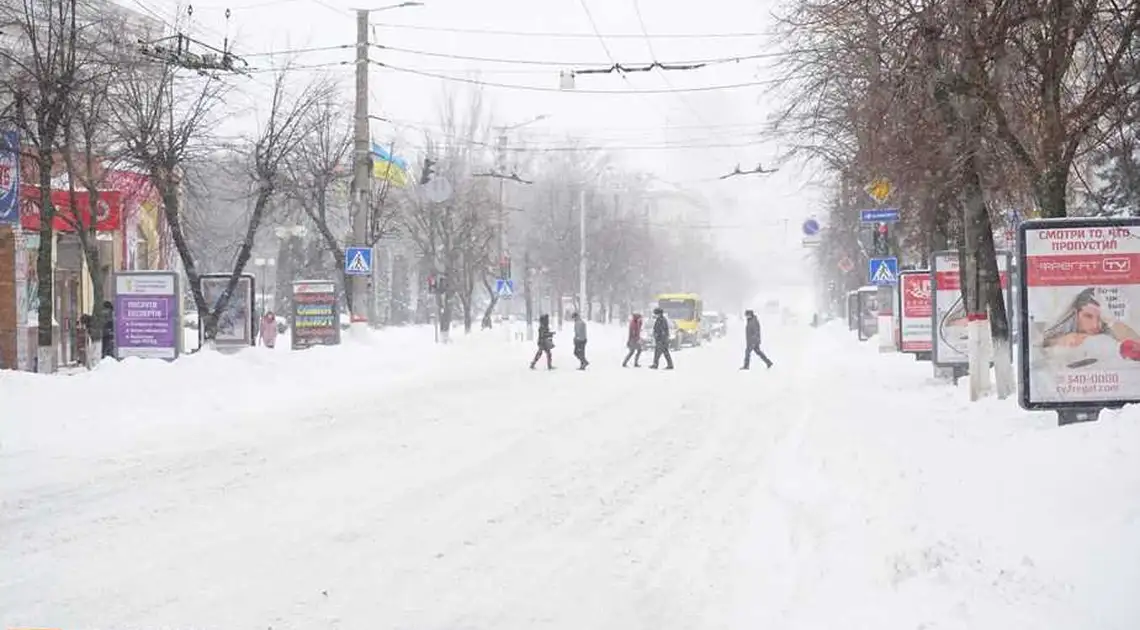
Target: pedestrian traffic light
{"type": "Point", "coordinates": [505, 267]}
{"type": "Point", "coordinates": [880, 241]}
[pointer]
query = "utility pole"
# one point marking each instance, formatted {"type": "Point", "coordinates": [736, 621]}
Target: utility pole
{"type": "Point", "coordinates": [504, 269]}
{"type": "Point", "coordinates": [361, 182]}
{"type": "Point", "coordinates": [582, 306]}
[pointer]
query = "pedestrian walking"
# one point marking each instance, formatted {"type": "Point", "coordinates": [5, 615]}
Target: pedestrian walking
{"type": "Point", "coordinates": [661, 340]}
{"type": "Point", "coordinates": [752, 340]}
{"type": "Point", "coordinates": [545, 342]}
{"type": "Point", "coordinates": [580, 341]}
{"type": "Point", "coordinates": [634, 342]}
{"type": "Point", "coordinates": [268, 332]}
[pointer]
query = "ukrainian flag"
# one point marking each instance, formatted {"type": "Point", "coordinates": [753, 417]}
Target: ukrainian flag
{"type": "Point", "coordinates": [386, 166]}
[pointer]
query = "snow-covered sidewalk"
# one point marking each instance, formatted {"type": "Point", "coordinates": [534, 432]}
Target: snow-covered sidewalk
{"type": "Point", "coordinates": [401, 484]}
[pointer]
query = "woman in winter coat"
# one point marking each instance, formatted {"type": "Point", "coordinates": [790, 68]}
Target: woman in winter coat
{"type": "Point", "coordinates": [634, 341]}
{"type": "Point", "coordinates": [545, 342]}
{"type": "Point", "coordinates": [269, 329]}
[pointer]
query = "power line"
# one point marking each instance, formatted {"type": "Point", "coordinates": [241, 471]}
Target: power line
{"type": "Point", "coordinates": [535, 88]}
{"type": "Point", "coordinates": [563, 35]}
{"type": "Point", "coordinates": [557, 63]}
{"type": "Point", "coordinates": [299, 51]}
{"type": "Point", "coordinates": [594, 27]}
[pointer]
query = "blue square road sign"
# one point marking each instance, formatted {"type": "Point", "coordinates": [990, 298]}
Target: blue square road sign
{"type": "Point", "coordinates": [883, 272]}
{"type": "Point", "coordinates": [358, 261]}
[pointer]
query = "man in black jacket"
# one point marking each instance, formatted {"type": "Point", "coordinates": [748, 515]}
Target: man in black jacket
{"type": "Point", "coordinates": [752, 339]}
{"type": "Point", "coordinates": [661, 340]}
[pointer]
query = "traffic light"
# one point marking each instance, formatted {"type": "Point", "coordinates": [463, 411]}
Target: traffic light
{"type": "Point", "coordinates": [505, 267]}
{"type": "Point", "coordinates": [880, 240]}
{"type": "Point", "coordinates": [429, 170]}
{"type": "Point", "coordinates": [437, 283]}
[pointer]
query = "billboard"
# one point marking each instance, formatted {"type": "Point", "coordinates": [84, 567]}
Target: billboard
{"type": "Point", "coordinates": [915, 309]}
{"type": "Point", "coordinates": [867, 313]}
{"type": "Point", "coordinates": [315, 320]}
{"type": "Point", "coordinates": [9, 178]}
{"type": "Point", "coordinates": [237, 324]}
{"type": "Point", "coordinates": [1079, 301]}
{"type": "Point", "coordinates": [948, 311]}
{"type": "Point", "coordinates": [147, 315]}
{"type": "Point", "coordinates": [109, 209]}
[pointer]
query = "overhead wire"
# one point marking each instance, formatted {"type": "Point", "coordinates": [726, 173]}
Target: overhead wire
{"type": "Point", "coordinates": [564, 63]}
{"type": "Point", "coordinates": [535, 88]}
{"type": "Point", "coordinates": [653, 55]}
{"type": "Point", "coordinates": [564, 35]}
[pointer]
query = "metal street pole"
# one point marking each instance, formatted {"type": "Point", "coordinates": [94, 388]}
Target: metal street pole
{"type": "Point", "coordinates": [582, 252]}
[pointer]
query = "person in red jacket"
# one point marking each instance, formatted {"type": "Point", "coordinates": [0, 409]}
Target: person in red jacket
{"type": "Point", "coordinates": [634, 341]}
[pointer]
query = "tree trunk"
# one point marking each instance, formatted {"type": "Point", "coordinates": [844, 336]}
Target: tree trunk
{"type": "Point", "coordinates": [172, 212]}
{"type": "Point", "coordinates": [979, 233]}
{"type": "Point", "coordinates": [45, 353]}
{"type": "Point", "coordinates": [493, 301]}
{"type": "Point", "coordinates": [1050, 191]}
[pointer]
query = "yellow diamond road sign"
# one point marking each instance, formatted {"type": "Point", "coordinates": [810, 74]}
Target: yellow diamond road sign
{"type": "Point", "coordinates": [880, 189]}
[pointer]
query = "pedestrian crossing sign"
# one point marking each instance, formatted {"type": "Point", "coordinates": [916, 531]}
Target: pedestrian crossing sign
{"type": "Point", "coordinates": [504, 287]}
{"type": "Point", "coordinates": [884, 272]}
{"type": "Point", "coordinates": [358, 261]}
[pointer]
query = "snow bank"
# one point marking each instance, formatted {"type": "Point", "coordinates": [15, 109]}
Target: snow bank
{"type": "Point", "coordinates": [893, 502]}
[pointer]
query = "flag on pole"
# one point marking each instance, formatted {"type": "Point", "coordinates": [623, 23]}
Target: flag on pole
{"type": "Point", "coordinates": [386, 166]}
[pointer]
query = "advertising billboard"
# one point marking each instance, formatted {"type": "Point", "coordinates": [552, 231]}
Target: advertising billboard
{"type": "Point", "coordinates": [868, 312]}
{"type": "Point", "coordinates": [948, 312]}
{"type": "Point", "coordinates": [237, 323]}
{"type": "Point", "coordinates": [915, 312]}
{"type": "Point", "coordinates": [315, 320]}
{"type": "Point", "coordinates": [1080, 312]}
{"type": "Point", "coordinates": [147, 315]}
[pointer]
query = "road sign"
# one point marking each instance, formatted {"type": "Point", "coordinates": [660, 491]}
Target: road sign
{"type": "Point", "coordinates": [845, 265]}
{"type": "Point", "coordinates": [504, 287]}
{"type": "Point", "coordinates": [811, 227]}
{"type": "Point", "coordinates": [358, 261]}
{"type": "Point", "coordinates": [812, 241]}
{"type": "Point", "coordinates": [884, 272]}
{"type": "Point", "coordinates": [879, 215]}
{"type": "Point", "coordinates": [879, 189]}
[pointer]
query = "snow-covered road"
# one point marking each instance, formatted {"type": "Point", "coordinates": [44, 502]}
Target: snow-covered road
{"type": "Point", "coordinates": [451, 488]}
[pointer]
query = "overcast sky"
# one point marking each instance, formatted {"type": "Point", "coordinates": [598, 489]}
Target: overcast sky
{"type": "Point", "coordinates": [756, 217]}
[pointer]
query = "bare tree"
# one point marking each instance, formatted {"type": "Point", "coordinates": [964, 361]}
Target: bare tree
{"type": "Point", "coordinates": [46, 67]}
{"type": "Point", "coordinates": [320, 174]}
{"type": "Point", "coordinates": [287, 124]}
{"type": "Point", "coordinates": [164, 123]}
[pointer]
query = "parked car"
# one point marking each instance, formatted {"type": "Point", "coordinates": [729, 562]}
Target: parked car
{"type": "Point", "coordinates": [647, 341]}
{"type": "Point", "coordinates": [713, 325]}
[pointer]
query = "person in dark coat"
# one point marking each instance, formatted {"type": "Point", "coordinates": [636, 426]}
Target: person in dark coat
{"type": "Point", "coordinates": [752, 340]}
{"type": "Point", "coordinates": [108, 329]}
{"type": "Point", "coordinates": [661, 340]}
{"type": "Point", "coordinates": [545, 342]}
{"type": "Point", "coordinates": [634, 342]}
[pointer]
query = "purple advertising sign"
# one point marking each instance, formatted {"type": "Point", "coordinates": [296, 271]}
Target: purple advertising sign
{"type": "Point", "coordinates": [147, 315]}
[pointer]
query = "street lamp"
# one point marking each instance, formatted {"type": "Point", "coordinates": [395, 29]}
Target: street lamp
{"type": "Point", "coordinates": [261, 264]}
{"type": "Point", "coordinates": [503, 246]}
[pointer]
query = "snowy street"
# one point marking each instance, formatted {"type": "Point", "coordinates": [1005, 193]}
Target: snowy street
{"type": "Point", "coordinates": [401, 484]}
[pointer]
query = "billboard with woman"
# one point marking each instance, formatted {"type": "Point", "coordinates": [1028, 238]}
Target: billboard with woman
{"type": "Point", "coordinates": [1080, 293]}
